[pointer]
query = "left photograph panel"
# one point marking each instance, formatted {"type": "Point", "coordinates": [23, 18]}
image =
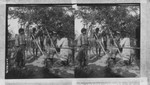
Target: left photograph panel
{"type": "Point", "coordinates": [39, 39]}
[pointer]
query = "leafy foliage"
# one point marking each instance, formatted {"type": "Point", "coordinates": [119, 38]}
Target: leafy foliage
{"type": "Point", "coordinates": [52, 18]}
{"type": "Point", "coordinates": [62, 18]}
{"type": "Point", "coordinates": [113, 16]}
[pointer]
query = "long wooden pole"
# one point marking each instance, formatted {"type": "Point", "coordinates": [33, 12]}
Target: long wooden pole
{"type": "Point", "coordinates": [52, 43]}
{"type": "Point", "coordinates": [115, 42]}
{"type": "Point", "coordinates": [38, 45]}
{"type": "Point", "coordinates": [100, 44]}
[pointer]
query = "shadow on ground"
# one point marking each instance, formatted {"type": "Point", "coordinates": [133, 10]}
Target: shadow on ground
{"type": "Point", "coordinates": [28, 73]}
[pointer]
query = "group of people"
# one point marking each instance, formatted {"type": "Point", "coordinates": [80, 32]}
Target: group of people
{"type": "Point", "coordinates": [105, 40]}
{"type": "Point", "coordinates": [56, 43]}
{"type": "Point", "coordinates": [48, 43]}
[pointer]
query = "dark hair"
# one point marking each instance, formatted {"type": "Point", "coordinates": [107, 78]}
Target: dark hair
{"type": "Point", "coordinates": [124, 33]}
{"type": "Point", "coordinates": [83, 30]}
{"type": "Point", "coordinates": [103, 33]}
{"type": "Point", "coordinates": [60, 33]}
{"type": "Point", "coordinates": [21, 30]}
{"type": "Point", "coordinates": [34, 29]}
{"type": "Point", "coordinates": [97, 29]}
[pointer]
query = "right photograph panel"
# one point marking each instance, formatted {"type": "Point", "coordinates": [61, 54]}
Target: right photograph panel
{"type": "Point", "coordinates": [107, 38]}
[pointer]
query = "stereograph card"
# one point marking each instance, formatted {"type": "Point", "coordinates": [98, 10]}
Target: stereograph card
{"type": "Point", "coordinates": [74, 42]}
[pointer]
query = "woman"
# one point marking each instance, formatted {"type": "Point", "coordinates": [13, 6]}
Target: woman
{"type": "Point", "coordinates": [124, 43]}
{"type": "Point", "coordinates": [62, 44]}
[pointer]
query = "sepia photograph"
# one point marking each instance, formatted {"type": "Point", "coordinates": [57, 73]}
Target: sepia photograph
{"type": "Point", "coordinates": [108, 36]}
{"type": "Point", "coordinates": [72, 41]}
{"type": "Point", "coordinates": [38, 41]}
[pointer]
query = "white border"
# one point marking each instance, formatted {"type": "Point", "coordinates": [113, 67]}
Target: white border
{"type": "Point", "coordinates": [145, 33]}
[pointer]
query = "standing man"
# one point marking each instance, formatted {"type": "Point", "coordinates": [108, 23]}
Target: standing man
{"type": "Point", "coordinates": [40, 37]}
{"type": "Point", "coordinates": [34, 45]}
{"type": "Point", "coordinates": [82, 43]}
{"type": "Point", "coordinates": [98, 49]}
{"type": "Point", "coordinates": [104, 37]}
{"type": "Point", "coordinates": [20, 43]}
